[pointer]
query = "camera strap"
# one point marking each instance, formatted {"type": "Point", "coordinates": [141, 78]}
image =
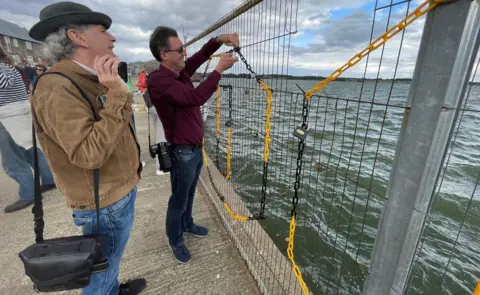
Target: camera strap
{"type": "Point", "coordinates": [158, 117]}
{"type": "Point", "coordinates": [148, 119]}
{"type": "Point", "coordinates": [38, 205]}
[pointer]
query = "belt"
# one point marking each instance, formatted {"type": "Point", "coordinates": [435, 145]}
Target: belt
{"type": "Point", "coordinates": [187, 146]}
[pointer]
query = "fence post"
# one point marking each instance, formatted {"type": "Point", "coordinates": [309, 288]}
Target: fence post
{"type": "Point", "coordinates": [447, 52]}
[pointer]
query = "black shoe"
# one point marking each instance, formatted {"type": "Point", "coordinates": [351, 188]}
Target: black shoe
{"type": "Point", "coordinates": [132, 287]}
{"type": "Point", "coordinates": [18, 205]}
{"type": "Point", "coordinates": [47, 187]}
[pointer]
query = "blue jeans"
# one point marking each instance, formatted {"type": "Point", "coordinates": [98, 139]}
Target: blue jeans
{"type": "Point", "coordinates": [18, 164]}
{"type": "Point", "coordinates": [186, 166]}
{"type": "Point", "coordinates": [116, 222]}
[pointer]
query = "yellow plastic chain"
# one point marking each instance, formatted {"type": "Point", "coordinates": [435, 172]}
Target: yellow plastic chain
{"type": "Point", "coordinates": [421, 10]}
{"type": "Point", "coordinates": [217, 112]}
{"type": "Point", "coordinates": [233, 215]}
{"type": "Point", "coordinates": [227, 207]}
{"type": "Point", "coordinates": [477, 290]}
{"type": "Point", "coordinates": [229, 151]}
{"type": "Point", "coordinates": [424, 8]}
{"type": "Point", "coordinates": [266, 150]}
{"type": "Point", "coordinates": [216, 55]}
{"type": "Point", "coordinates": [268, 114]}
{"type": "Point", "coordinates": [296, 269]}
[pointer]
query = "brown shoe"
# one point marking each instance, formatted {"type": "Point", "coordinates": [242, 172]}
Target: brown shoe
{"type": "Point", "coordinates": [18, 205]}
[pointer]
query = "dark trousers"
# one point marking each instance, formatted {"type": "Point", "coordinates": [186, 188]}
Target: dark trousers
{"type": "Point", "coordinates": [186, 166]}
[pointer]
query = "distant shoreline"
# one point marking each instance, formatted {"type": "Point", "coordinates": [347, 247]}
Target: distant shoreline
{"type": "Point", "coordinates": [316, 78]}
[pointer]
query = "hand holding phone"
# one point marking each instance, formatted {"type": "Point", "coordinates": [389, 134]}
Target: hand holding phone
{"type": "Point", "coordinates": [123, 71]}
{"type": "Point", "coordinates": [107, 72]}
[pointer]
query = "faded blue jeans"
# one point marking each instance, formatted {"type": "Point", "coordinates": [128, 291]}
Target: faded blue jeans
{"type": "Point", "coordinates": [116, 222]}
{"type": "Point", "coordinates": [18, 164]}
{"type": "Point", "coordinates": [186, 166]}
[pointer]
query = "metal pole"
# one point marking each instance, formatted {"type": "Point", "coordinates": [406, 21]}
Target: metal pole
{"type": "Point", "coordinates": [226, 19]}
{"type": "Point", "coordinates": [447, 52]}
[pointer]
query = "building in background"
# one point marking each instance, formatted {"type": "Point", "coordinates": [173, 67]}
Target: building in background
{"type": "Point", "coordinates": [18, 44]}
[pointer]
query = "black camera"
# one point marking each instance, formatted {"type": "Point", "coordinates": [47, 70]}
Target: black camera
{"type": "Point", "coordinates": [161, 149]}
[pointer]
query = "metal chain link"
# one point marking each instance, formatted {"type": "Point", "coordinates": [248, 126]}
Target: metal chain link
{"type": "Point", "coordinates": [300, 132]}
{"type": "Point", "coordinates": [301, 149]}
{"type": "Point", "coordinates": [268, 115]}
{"type": "Point", "coordinates": [206, 69]}
{"type": "Point", "coordinates": [219, 194]}
{"type": "Point", "coordinates": [418, 12]}
{"type": "Point", "coordinates": [242, 58]}
{"type": "Point", "coordinates": [217, 113]}
{"type": "Point", "coordinates": [229, 124]}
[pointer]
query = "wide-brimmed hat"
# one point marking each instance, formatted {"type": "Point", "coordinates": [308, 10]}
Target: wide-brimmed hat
{"type": "Point", "coordinates": [62, 14]}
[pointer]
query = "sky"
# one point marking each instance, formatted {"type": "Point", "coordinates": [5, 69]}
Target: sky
{"type": "Point", "coordinates": [326, 34]}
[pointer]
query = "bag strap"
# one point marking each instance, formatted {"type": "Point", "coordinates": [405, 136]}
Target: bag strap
{"type": "Point", "coordinates": [38, 206]}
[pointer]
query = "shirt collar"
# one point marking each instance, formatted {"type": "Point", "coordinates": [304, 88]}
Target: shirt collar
{"type": "Point", "coordinates": [85, 67]}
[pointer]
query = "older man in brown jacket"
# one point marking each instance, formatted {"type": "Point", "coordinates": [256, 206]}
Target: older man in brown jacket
{"type": "Point", "coordinates": [78, 136]}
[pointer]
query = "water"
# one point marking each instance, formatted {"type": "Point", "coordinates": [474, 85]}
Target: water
{"type": "Point", "coordinates": [347, 162]}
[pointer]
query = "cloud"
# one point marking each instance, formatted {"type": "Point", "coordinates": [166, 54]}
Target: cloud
{"type": "Point", "coordinates": [328, 33]}
{"type": "Point", "coordinates": [339, 39]}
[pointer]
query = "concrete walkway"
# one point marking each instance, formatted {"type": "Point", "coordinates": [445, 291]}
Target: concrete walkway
{"type": "Point", "coordinates": [216, 267]}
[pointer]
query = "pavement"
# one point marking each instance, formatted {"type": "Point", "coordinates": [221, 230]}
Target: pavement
{"type": "Point", "coordinates": [216, 267]}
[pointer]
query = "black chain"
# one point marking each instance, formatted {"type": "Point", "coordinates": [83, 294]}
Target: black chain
{"type": "Point", "coordinates": [249, 68]}
{"type": "Point", "coordinates": [219, 194]}
{"type": "Point", "coordinates": [301, 148]}
{"type": "Point", "coordinates": [217, 191]}
{"type": "Point", "coordinates": [264, 191]}
{"type": "Point", "coordinates": [206, 69]}
{"type": "Point", "coordinates": [261, 215]}
{"type": "Point", "coordinates": [229, 123]}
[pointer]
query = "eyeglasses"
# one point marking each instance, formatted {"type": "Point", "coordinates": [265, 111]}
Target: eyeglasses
{"type": "Point", "coordinates": [179, 50]}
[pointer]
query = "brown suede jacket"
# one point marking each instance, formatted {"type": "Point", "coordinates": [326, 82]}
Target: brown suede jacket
{"type": "Point", "coordinates": [75, 141]}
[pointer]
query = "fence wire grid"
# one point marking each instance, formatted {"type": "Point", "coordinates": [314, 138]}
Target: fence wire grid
{"type": "Point", "coordinates": [446, 260]}
{"type": "Point", "coordinates": [354, 126]}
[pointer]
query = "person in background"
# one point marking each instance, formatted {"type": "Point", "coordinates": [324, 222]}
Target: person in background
{"type": "Point", "coordinates": [17, 163]}
{"type": "Point", "coordinates": [29, 72]}
{"type": "Point", "coordinates": [16, 145]}
{"type": "Point", "coordinates": [178, 104]}
{"type": "Point", "coordinates": [142, 81]}
{"type": "Point", "coordinates": [40, 69]}
{"type": "Point", "coordinates": [77, 140]}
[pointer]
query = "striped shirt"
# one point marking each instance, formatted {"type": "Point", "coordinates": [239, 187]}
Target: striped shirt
{"type": "Point", "coordinates": [12, 88]}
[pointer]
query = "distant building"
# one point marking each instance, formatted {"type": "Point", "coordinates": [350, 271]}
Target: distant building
{"type": "Point", "coordinates": [18, 44]}
{"type": "Point", "coordinates": [136, 67]}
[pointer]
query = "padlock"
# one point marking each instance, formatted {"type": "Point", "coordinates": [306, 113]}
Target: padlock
{"type": "Point", "coordinates": [300, 132]}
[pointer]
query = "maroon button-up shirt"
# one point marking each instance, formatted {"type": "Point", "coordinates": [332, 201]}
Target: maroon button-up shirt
{"type": "Point", "coordinates": [175, 97]}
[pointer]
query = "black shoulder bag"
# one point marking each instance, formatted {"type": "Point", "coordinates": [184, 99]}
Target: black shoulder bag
{"type": "Point", "coordinates": [64, 263]}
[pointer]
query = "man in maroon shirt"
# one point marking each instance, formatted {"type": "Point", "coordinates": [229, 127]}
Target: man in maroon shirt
{"type": "Point", "coordinates": [178, 105]}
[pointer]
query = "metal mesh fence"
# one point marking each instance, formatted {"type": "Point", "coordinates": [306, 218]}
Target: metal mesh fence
{"type": "Point", "coordinates": [446, 260]}
{"type": "Point", "coordinates": [354, 126]}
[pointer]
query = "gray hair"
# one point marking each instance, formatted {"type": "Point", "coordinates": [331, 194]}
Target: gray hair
{"type": "Point", "coordinates": [59, 45]}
